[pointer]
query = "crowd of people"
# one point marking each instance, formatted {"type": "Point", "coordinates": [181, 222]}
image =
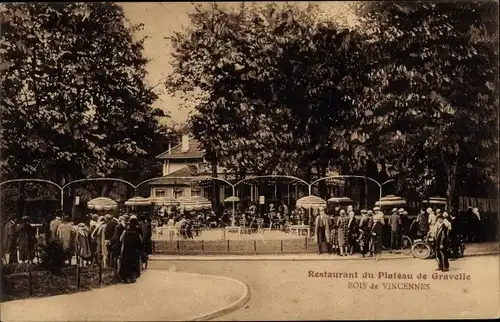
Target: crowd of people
{"type": "Point", "coordinates": [343, 234]}
{"type": "Point", "coordinates": [19, 241]}
{"type": "Point", "coordinates": [119, 242]}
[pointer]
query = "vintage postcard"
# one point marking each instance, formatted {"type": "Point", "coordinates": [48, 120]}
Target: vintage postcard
{"type": "Point", "coordinates": [236, 161]}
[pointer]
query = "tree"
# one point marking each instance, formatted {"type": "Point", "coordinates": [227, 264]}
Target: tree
{"type": "Point", "coordinates": [75, 104]}
{"type": "Point", "coordinates": [266, 71]}
{"type": "Point", "coordinates": [438, 67]}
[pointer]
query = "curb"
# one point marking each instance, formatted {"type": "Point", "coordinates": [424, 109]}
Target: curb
{"type": "Point", "coordinates": [267, 259]}
{"type": "Point", "coordinates": [483, 253]}
{"type": "Point", "coordinates": [249, 258]}
{"type": "Point", "coordinates": [227, 309]}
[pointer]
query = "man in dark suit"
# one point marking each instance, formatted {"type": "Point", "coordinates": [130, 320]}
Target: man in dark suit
{"type": "Point", "coordinates": [395, 223]}
{"type": "Point", "coordinates": [116, 244]}
{"type": "Point", "coordinates": [322, 231]}
{"type": "Point", "coordinates": [441, 246]}
{"type": "Point", "coordinates": [109, 232]}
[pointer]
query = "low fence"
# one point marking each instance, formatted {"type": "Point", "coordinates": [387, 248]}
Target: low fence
{"type": "Point", "coordinates": [33, 281]}
{"type": "Point", "coordinates": [243, 247]}
{"type": "Point", "coordinates": [484, 204]}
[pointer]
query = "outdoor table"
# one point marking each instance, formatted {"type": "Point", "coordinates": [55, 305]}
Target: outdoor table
{"type": "Point", "coordinates": [172, 231]}
{"type": "Point", "coordinates": [232, 228]}
{"type": "Point", "coordinates": [296, 229]}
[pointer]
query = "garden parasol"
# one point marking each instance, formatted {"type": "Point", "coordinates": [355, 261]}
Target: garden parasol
{"type": "Point", "coordinates": [340, 200]}
{"type": "Point", "coordinates": [436, 201]}
{"type": "Point", "coordinates": [138, 201]}
{"type": "Point", "coordinates": [102, 203]}
{"type": "Point", "coordinates": [391, 200]}
{"type": "Point", "coordinates": [310, 202]}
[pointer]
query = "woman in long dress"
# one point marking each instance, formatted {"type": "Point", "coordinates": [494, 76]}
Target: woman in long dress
{"type": "Point", "coordinates": [82, 244]}
{"type": "Point", "coordinates": [130, 256]}
{"type": "Point", "coordinates": [343, 232]}
{"type": "Point", "coordinates": [26, 240]}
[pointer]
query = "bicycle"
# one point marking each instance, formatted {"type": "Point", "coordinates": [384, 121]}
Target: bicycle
{"type": "Point", "coordinates": [423, 248]}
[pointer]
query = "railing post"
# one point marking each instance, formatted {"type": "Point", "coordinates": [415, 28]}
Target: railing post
{"type": "Point", "coordinates": [281, 245]}
{"type": "Point", "coordinates": [77, 274]}
{"type": "Point", "coordinates": [228, 245]}
{"type": "Point", "coordinates": [30, 282]}
{"type": "Point", "coordinates": [178, 246]}
{"type": "Point", "coordinates": [255, 246]}
{"type": "Point", "coordinates": [100, 272]}
{"type": "Point", "coordinates": [306, 241]}
{"type": "Point", "coordinates": [202, 248]}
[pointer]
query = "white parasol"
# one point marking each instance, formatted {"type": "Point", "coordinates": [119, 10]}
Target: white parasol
{"type": "Point", "coordinates": [102, 203]}
{"type": "Point", "coordinates": [232, 199]}
{"type": "Point", "coordinates": [138, 201]}
{"type": "Point", "coordinates": [435, 201]}
{"type": "Point", "coordinates": [311, 202]}
{"type": "Point", "coordinates": [340, 200]}
{"type": "Point", "coordinates": [391, 200]}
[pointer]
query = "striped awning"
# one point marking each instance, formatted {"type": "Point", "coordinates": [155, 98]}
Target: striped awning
{"type": "Point", "coordinates": [102, 203]}
{"type": "Point", "coordinates": [435, 201]}
{"type": "Point", "coordinates": [163, 201]}
{"type": "Point", "coordinates": [195, 203]}
{"type": "Point", "coordinates": [311, 202]}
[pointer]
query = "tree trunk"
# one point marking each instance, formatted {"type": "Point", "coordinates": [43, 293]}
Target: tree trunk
{"type": "Point", "coordinates": [215, 190]}
{"type": "Point", "coordinates": [450, 186]}
{"type": "Point", "coordinates": [451, 176]}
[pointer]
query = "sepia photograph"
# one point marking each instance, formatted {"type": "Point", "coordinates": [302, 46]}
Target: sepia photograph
{"type": "Point", "coordinates": [249, 161]}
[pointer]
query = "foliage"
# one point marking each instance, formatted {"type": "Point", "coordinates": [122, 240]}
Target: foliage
{"type": "Point", "coordinates": [74, 103]}
{"type": "Point", "coordinates": [435, 94]}
{"type": "Point", "coordinates": [412, 96]}
{"type": "Point", "coordinates": [266, 71]}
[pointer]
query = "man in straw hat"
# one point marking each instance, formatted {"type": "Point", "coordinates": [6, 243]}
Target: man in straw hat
{"type": "Point", "coordinates": [376, 235]}
{"type": "Point", "coordinates": [441, 244]}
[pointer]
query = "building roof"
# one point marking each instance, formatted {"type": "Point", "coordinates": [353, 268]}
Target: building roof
{"type": "Point", "coordinates": [170, 179]}
{"type": "Point", "coordinates": [176, 152]}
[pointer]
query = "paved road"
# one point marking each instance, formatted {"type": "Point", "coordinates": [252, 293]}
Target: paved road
{"type": "Point", "coordinates": [284, 290]}
{"type": "Point", "coordinates": [156, 296]}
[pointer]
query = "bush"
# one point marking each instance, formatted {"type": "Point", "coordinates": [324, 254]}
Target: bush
{"type": "Point", "coordinates": [53, 256]}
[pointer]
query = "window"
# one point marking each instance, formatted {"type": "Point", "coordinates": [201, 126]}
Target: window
{"type": "Point", "coordinates": [159, 193]}
{"type": "Point", "coordinates": [177, 192]}
{"type": "Point", "coordinates": [195, 192]}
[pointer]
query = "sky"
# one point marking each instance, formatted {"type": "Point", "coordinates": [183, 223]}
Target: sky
{"type": "Point", "coordinates": [160, 19]}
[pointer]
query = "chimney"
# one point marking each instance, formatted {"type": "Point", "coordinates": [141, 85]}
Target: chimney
{"type": "Point", "coordinates": [185, 143]}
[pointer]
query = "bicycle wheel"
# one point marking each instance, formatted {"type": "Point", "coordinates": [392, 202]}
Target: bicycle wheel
{"type": "Point", "coordinates": [421, 250]}
{"type": "Point", "coordinates": [406, 245]}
